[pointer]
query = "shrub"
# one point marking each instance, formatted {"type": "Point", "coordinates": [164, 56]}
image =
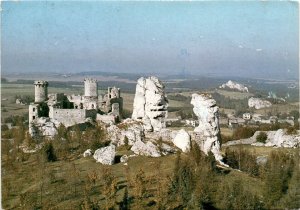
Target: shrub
{"type": "Point", "coordinates": [262, 137]}
{"type": "Point", "coordinates": [225, 138]}
{"type": "Point", "coordinates": [291, 130]}
{"type": "Point", "coordinates": [243, 160]}
{"type": "Point", "coordinates": [243, 133]}
{"type": "Point", "coordinates": [48, 152]}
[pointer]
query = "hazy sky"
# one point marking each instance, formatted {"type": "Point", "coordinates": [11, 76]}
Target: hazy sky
{"type": "Point", "coordinates": [256, 39]}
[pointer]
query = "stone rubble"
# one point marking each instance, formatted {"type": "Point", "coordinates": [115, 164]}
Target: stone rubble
{"type": "Point", "coordinates": [146, 149]}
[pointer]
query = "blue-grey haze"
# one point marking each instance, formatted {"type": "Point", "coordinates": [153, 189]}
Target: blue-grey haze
{"type": "Point", "coordinates": [247, 39]}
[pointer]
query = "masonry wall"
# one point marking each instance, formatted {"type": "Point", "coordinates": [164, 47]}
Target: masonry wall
{"type": "Point", "coordinates": [68, 117]}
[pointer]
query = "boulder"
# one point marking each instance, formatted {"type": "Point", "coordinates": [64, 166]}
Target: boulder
{"type": "Point", "coordinates": [150, 103]}
{"type": "Point", "coordinates": [182, 140]}
{"type": "Point", "coordinates": [88, 153]}
{"type": "Point", "coordinates": [124, 159]}
{"type": "Point", "coordinates": [258, 103]}
{"type": "Point", "coordinates": [105, 155]}
{"type": "Point", "coordinates": [261, 160]}
{"type": "Point", "coordinates": [146, 149]}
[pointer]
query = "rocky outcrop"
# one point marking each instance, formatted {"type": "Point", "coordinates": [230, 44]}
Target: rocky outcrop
{"type": "Point", "coordinates": [146, 149]}
{"type": "Point", "coordinates": [279, 138]}
{"type": "Point", "coordinates": [258, 103]}
{"type": "Point", "coordinates": [182, 140]}
{"type": "Point", "coordinates": [43, 126]}
{"type": "Point", "coordinates": [150, 103]}
{"type": "Point", "coordinates": [105, 155]}
{"type": "Point", "coordinates": [235, 86]}
{"type": "Point", "coordinates": [87, 153]}
{"type": "Point", "coordinates": [208, 131]}
{"type": "Point", "coordinates": [129, 130]}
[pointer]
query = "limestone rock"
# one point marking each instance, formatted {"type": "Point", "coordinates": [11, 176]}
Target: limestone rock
{"type": "Point", "coordinates": [206, 110]}
{"type": "Point", "coordinates": [150, 103]}
{"type": "Point", "coordinates": [105, 155]}
{"type": "Point", "coordinates": [234, 85]}
{"type": "Point", "coordinates": [43, 127]}
{"type": "Point", "coordinates": [167, 149]}
{"type": "Point", "coordinates": [146, 149]}
{"type": "Point", "coordinates": [182, 140]}
{"type": "Point", "coordinates": [261, 160]}
{"type": "Point", "coordinates": [258, 103]}
{"type": "Point", "coordinates": [87, 153]}
{"type": "Point", "coordinates": [280, 139]}
{"type": "Point", "coordinates": [130, 129]}
{"type": "Point", "coordinates": [124, 159]}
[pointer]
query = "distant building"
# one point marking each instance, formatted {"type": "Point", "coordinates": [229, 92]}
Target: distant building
{"type": "Point", "coordinates": [247, 116]}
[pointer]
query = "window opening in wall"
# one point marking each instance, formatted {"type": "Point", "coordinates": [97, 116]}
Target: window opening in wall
{"type": "Point", "coordinates": [33, 109]}
{"type": "Point", "coordinates": [33, 117]}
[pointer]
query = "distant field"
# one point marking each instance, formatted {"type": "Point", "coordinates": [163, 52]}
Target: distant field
{"type": "Point", "coordinates": [234, 94]}
{"type": "Point", "coordinates": [9, 92]}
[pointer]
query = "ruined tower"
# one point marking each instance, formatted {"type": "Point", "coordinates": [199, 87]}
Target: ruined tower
{"type": "Point", "coordinates": [90, 88]}
{"type": "Point", "coordinates": [90, 93]}
{"type": "Point", "coordinates": [41, 91]}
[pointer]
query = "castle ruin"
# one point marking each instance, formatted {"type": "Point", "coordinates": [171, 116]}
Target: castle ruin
{"type": "Point", "coordinates": [75, 109]}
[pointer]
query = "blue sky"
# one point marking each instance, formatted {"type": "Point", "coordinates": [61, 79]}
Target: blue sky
{"type": "Point", "coordinates": [248, 39]}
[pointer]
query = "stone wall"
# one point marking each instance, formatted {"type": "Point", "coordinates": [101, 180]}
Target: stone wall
{"type": "Point", "coordinates": [70, 117]}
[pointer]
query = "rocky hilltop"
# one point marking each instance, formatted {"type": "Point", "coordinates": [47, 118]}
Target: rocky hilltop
{"type": "Point", "coordinates": [258, 103]}
{"type": "Point", "coordinates": [235, 86]}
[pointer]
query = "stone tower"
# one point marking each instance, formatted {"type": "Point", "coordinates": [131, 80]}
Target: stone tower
{"type": "Point", "coordinates": [41, 91]}
{"type": "Point", "coordinates": [90, 88]}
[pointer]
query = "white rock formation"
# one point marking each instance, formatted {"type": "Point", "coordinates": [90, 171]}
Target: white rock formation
{"type": "Point", "coordinates": [258, 103]}
{"type": "Point", "coordinates": [150, 103]}
{"type": "Point", "coordinates": [44, 127]}
{"type": "Point", "coordinates": [105, 155]}
{"type": "Point", "coordinates": [146, 149]}
{"type": "Point", "coordinates": [234, 85]}
{"type": "Point", "coordinates": [130, 129]}
{"type": "Point", "coordinates": [182, 140]}
{"type": "Point", "coordinates": [87, 153]}
{"type": "Point", "coordinates": [279, 138]}
{"type": "Point", "coordinates": [206, 110]}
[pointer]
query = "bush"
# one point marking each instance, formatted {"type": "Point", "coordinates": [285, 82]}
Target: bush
{"type": "Point", "coordinates": [48, 152]}
{"type": "Point", "coordinates": [291, 130]}
{"type": "Point", "coordinates": [243, 160]}
{"type": "Point", "coordinates": [225, 138]}
{"type": "Point", "coordinates": [243, 132]}
{"type": "Point", "coordinates": [262, 137]}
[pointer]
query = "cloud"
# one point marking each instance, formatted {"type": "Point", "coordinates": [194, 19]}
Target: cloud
{"type": "Point", "coordinates": [258, 50]}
